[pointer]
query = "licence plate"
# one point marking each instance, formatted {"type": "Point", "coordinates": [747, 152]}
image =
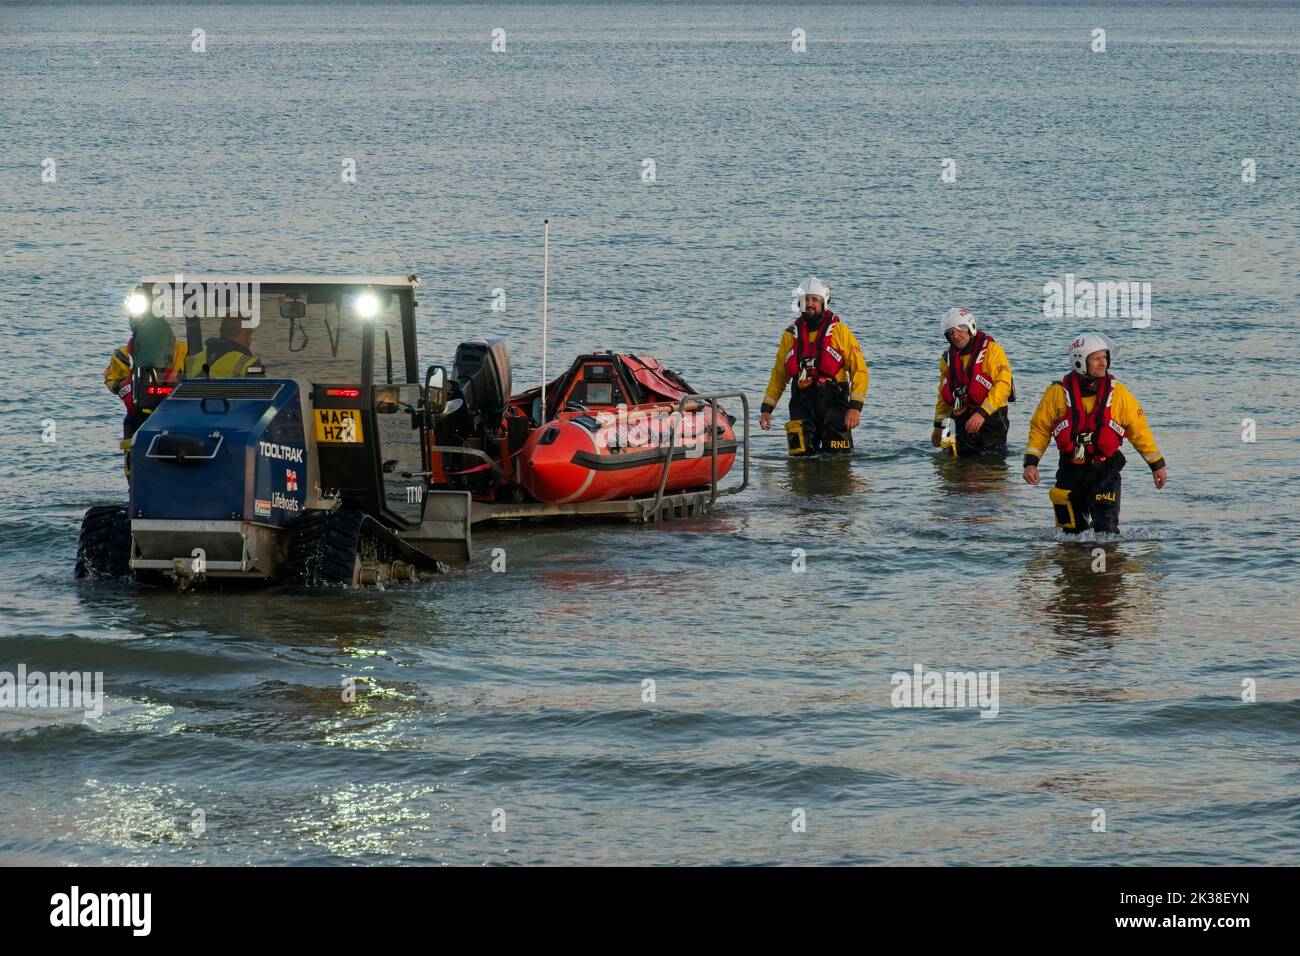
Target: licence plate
{"type": "Point", "coordinates": [339, 425]}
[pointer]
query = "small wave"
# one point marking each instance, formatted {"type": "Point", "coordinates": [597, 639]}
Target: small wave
{"type": "Point", "coordinates": [1091, 536]}
{"type": "Point", "coordinates": [1220, 715]}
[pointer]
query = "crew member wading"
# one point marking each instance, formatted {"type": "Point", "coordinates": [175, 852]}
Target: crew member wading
{"type": "Point", "coordinates": [974, 389]}
{"type": "Point", "coordinates": [142, 372]}
{"type": "Point", "coordinates": [821, 356]}
{"type": "Point", "coordinates": [1089, 414]}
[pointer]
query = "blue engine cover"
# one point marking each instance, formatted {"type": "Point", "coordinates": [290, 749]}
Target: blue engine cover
{"type": "Point", "coordinates": [223, 449]}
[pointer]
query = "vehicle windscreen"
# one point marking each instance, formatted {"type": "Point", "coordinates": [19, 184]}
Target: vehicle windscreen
{"type": "Point", "coordinates": [312, 332]}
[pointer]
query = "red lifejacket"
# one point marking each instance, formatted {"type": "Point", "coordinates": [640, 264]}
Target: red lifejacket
{"type": "Point", "coordinates": [1088, 436]}
{"type": "Point", "coordinates": [967, 387]}
{"type": "Point", "coordinates": [659, 382]}
{"type": "Point", "coordinates": [811, 362]}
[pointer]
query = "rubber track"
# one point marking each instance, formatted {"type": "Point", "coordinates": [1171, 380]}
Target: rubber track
{"type": "Point", "coordinates": [104, 548]}
{"type": "Point", "coordinates": [323, 548]}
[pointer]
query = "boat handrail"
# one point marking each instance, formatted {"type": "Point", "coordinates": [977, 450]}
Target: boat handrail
{"type": "Point", "coordinates": [712, 398]}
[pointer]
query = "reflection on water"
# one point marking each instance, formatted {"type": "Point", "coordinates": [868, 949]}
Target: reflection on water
{"type": "Point", "coordinates": [370, 819]}
{"type": "Point", "coordinates": [124, 816]}
{"type": "Point", "coordinates": [332, 617]}
{"type": "Point", "coordinates": [824, 476]}
{"type": "Point", "coordinates": [1091, 591]}
{"type": "Point", "coordinates": [965, 476]}
{"type": "Point", "coordinates": [970, 494]}
{"type": "Point", "coordinates": [971, 491]}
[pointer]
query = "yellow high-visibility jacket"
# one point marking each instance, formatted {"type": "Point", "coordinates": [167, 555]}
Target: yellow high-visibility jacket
{"type": "Point", "coordinates": [854, 371]}
{"type": "Point", "coordinates": [999, 373]}
{"type": "Point", "coordinates": [119, 365]}
{"type": "Point", "coordinates": [234, 361]}
{"type": "Point", "coordinates": [1124, 409]}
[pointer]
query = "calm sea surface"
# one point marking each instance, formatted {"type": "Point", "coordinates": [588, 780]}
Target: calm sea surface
{"type": "Point", "coordinates": [522, 692]}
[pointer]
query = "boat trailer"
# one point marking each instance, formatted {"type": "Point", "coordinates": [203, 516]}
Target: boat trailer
{"type": "Point", "coordinates": [450, 515]}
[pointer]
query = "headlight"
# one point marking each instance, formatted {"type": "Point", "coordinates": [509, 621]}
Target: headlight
{"type": "Point", "coordinates": [136, 304]}
{"type": "Point", "coordinates": [367, 305]}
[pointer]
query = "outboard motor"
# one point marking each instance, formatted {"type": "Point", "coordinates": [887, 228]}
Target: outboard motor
{"type": "Point", "coordinates": [482, 371]}
{"type": "Point", "coordinates": [481, 396]}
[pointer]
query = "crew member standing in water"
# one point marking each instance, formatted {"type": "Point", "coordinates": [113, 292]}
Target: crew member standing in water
{"type": "Point", "coordinates": [822, 357]}
{"type": "Point", "coordinates": [974, 389]}
{"type": "Point", "coordinates": [152, 356]}
{"type": "Point", "coordinates": [1089, 415]}
{"type": "Point", "coordinates": [152, 348]}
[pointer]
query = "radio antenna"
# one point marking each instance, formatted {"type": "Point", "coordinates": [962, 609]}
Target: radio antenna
{"type": "Point", "coordinates": [546, 253]}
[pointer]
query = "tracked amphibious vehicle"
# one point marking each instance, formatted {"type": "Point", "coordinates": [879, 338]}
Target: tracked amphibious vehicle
{"type": "Point", "coordinates": [332, 458]}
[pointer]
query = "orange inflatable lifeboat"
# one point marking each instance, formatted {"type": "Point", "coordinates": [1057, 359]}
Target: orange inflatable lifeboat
{"type": "Point", "coordinates": [622, 453]}
{"type": "Point", "coordinates": [610, 424]}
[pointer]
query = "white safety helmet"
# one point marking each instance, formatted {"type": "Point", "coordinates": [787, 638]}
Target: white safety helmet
{"type": "Point", "coordinates": [957, 319]}
{"type": "Point", "coordinates": [815, 286]}
{"type": "Point", "coordinates": [1084, 344]}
